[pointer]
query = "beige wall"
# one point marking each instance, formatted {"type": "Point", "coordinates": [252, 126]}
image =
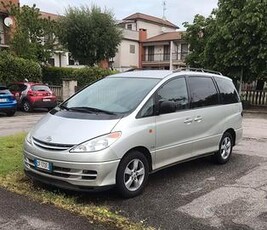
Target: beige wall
{"type": "Point", "coordinates": [152, 29]}
{"type": "Point", "coordinates": [124, 59]}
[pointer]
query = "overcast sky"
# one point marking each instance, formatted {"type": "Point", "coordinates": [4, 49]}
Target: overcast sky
{"type": "Point", "coordinates": [177, 11]}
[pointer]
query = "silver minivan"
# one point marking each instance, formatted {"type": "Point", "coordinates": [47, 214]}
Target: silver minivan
{"type": "Point", "coordinates": [120, 129]}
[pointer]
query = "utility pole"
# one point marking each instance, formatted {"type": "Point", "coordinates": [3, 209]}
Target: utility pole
{"type": "Point", "coordinates": [164, 9]}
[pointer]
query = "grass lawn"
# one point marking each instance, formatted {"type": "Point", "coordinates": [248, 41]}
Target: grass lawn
{"type": "Point", "coordinates": [13, 179]}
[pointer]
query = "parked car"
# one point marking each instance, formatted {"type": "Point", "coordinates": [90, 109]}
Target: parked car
{"type": "Point", "coordinates": [31, 95]}
{"type": "Point", "coordinates": [120, 129]}
{"type": "Point", "coordinates": [8, 103]}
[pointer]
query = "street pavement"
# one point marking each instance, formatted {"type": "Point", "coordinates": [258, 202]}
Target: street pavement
{"type": "Point", "coordinates": [193, 195]}
{"type": "Point", "coordinates": [21, 122]}
{"type": "Point", "coordinates": [19, 213]}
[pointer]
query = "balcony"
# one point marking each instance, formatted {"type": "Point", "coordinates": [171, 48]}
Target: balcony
{"type": "Point", "coordinates": [163, 59]}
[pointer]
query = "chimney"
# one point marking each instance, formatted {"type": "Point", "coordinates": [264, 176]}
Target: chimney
{"type": "Point", "coordinates": [142, 38]}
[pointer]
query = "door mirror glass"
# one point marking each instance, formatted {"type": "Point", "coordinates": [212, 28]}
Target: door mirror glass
{"type": "Point", "coordinates": [167, 107]}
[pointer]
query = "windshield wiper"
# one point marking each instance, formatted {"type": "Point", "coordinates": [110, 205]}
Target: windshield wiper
{"type": "Point", "coordinates": [64, 107]}
{"type": "Point", "coordinates": [90, 110]}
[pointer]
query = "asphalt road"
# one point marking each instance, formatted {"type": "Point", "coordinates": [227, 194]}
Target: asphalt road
{"type": "Point", "coordinates": [20, 122]}
{"type": "Point", "coordinates": [200, 194]}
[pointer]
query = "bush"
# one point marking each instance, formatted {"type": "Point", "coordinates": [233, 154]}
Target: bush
{"type": "Point", "coordinates": [55, 75]}
{"type": "Point", "coordinates": [87, 75]}
{"type": "Point", "coordinates": [18, 69]}
{"type": "Point", "coordinates": [84, 76]}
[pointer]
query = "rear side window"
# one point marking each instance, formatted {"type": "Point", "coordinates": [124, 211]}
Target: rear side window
{"type": "Point", "coordinates": [228, 92]}
{"type": "Point", "coordinates": [40, 88]}
{"type": "Point", "coordinates": [202, 92]}
{"type": "Point", "coordinates": [175, 91]}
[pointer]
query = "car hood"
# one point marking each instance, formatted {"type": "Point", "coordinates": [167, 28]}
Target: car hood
{"type": "Point", "coordinates": [70, 131]}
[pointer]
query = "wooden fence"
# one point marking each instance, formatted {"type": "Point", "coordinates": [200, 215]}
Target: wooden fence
{"type": "Point", "coordinates": [255, 97]}
{"type": "Point", "coordinates": [58, 91]}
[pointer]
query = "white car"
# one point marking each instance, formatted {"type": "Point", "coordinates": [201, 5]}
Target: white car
{"type": "Point", "coordinates": [120, 129]}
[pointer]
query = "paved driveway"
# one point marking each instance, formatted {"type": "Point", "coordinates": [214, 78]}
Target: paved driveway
{"type": "Point", "coordinates": [197, 194]}
{"type": "Point", "coordinates": [21, 122]}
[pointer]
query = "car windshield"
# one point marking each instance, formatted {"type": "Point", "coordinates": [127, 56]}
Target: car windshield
{"type": "Point", "coordinates": [111, 95]}
{"type": "Point", "coordinates": [40, 88]}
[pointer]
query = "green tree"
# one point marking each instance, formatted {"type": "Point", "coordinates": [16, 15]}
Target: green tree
{"type": "Point", "coordinates": [233, 39]}
{"type": "Point", "coordinates": [33, 35]}
{"type": "Point", "coordinates": [89, 34]}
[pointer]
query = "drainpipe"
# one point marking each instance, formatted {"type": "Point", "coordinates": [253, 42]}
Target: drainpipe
{"type": "Point", "coordinates": [171, 59]}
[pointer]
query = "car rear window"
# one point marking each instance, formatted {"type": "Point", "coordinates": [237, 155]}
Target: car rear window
{"type": "Point", "coordinates": [40, 88]}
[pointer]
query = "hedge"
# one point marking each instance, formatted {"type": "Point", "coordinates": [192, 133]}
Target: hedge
{"type": "Point", "coordinates": [84, 76]}
{"type": "Point", "coordinates": [14, 69]}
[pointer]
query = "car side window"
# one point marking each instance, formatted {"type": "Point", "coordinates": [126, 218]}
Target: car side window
{"type": "Point", "coordinates": [148, 109]}
{"type": "Point", "coordinates": [174, 91]}
{"type": "Point", "coordinates": [227, 90]}
{"type": "Point", "coordinates": [202, 92]}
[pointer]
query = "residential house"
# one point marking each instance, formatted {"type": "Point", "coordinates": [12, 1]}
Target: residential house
{"type": "Point", "coordinates": [5, 25]}
{"type": "Point", "coordinates": [164, 51]}
{"type": "Point", "coordinates": [149, 43]}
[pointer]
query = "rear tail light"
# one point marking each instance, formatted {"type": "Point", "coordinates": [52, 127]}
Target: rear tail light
{"type": "Point", "coordinates": [31, 93]}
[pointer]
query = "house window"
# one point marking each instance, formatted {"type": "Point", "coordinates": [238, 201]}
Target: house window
{"type": "Point", "coordinates": [129, 26]}
{"type": "Point", "coordinates": [166, 54]}
{"type": "Point", "coordinates": [51, 61]}
{"type": "Point", "coordinates": [150, 53]}
{"type": "Point", "coordinates": [132, 49]}
{"type": "Point", "coordinates": [2, 36]}
{"type": "Point", "coordinates": [71, 60]}
{"type": "Point", "coordinates": [184, 51]}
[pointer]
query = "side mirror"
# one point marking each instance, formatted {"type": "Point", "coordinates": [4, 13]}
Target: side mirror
{"type": "Point", "coordinates": [167, 107]}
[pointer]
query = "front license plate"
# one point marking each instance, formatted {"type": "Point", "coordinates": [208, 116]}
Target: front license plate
{"type": "Point", "coordinates": [47, 166]}
{"type": "Point", "coordinates": [3, 100]}
{"type": "Point", "coordinates": [46, 99]}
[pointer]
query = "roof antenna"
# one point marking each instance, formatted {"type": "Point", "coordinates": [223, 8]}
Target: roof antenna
{"type": "Point", "coordinates": [164, 9]}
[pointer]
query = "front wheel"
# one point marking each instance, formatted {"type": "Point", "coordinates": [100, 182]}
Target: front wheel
{"type": "Point", "coordinates": [132, 174]}
{"type": "Point", "coordinates": [225, 149]}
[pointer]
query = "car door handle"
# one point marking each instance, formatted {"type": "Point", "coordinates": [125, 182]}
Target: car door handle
{"type": "Point", "coordinates": [198, 119]}
{"type": "Point", "coordinates": [188, 121]}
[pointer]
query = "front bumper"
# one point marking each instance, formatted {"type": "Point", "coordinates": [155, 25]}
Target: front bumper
{"type": "Point", "coordinates": [72, 175]}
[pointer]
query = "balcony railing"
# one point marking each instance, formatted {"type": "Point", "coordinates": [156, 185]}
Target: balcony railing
{"type": "Point", "coordinates": [161, 57]}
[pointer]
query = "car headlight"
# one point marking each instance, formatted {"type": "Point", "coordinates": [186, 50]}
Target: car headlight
{"type": "Point", "coordinates": [29, 138]}
{"type": "Point", "coordinates": [97, 144]}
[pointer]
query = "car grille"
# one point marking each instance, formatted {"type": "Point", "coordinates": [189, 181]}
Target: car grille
{"type": "Point", "coordinates": [51, 146]}
{"type": "Point", "coordinates": [61, 172]}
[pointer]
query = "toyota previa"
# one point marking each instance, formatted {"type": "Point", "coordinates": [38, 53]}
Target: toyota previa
{"type": "Point", "coordinates": [120, 129]}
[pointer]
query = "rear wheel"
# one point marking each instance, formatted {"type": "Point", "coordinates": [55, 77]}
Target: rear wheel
{"type": "Point", "coordinates": [225, 149]}
{"type": "Point", "coordinates": [27, 106]}
{"type": "Point", "coordinates": [132, 174]}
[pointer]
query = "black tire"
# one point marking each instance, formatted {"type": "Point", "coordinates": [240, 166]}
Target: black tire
{"type": "Point", "coordinates": [225, 149]}
{"type": "Point", "coordinates": [11, 113]}
{"type": "Point", "coordinates": [26, 106]}
{"type": "Point", "coordinates": [133, 163]}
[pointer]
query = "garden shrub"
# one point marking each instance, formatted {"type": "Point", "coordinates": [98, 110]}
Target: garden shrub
{"type": "Point", "coordinates": [84, 76]}
{"type": "Point", "coordinates": [14, 69]}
